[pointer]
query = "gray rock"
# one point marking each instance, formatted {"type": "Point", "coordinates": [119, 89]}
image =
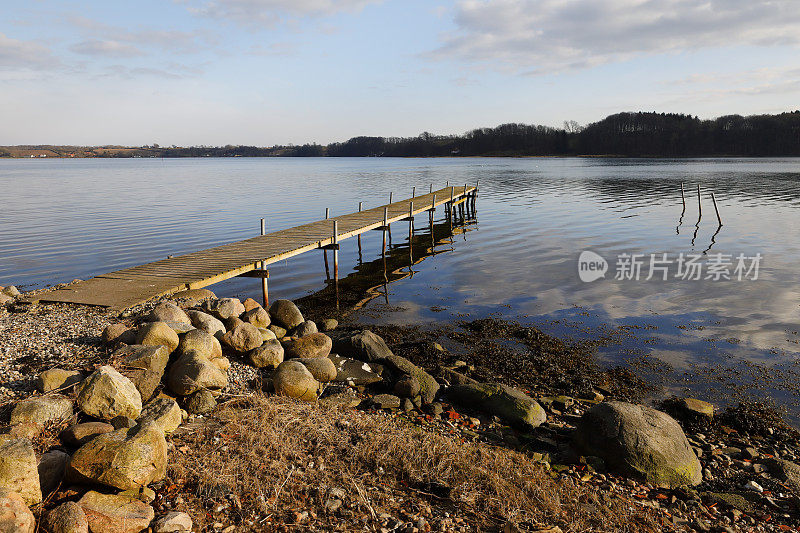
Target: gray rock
{"type": "Point", "coordinates": [512, 405]}
{"type": "Point", "coordinates": [206, 322]}
{"type": "Point", "coordinates": [80, 434]}
{"type": "Point", "coordinates": [286, 314]}
{"type": "Point", "coordinates": [202, 342]}
{"type": "Point", "coordinates": [250, 304]}
{"type": "Point", "coordinates": [329, 324]}
{"type": "Point", "coordinates": [321, 368]}
{"type": "Point", "coordinates": [366, 346]}
{"type": "Point", "coordinates": [353, 372]}
{"type": "Point", "coordinates": [124, 459]}
{"type": "Point", "coordinates": [67, 518]}
{"type": "Point", "coordinates": [224, 308]}
{"type": "Point", "coordinates": [168, 312]}
{"type": "Point", "coordinates": [158, 334]}
{"type": "Point", "coordinates": [19, 469]}
{"type": "Point", "coordinates": [57, 379]}
{"type": "Point", "coordinates": [243, 338]}
{"type": "Point", "coordinates": [115, 513]}
{"type": "Point", "coordinates": [786, 471]}
{"type": "Point", "coordinates": [42, 410]}
{"type": "Point", "coordinates": [306, 328]}
{"type": "Point", "coordinates": [407, 386]}
{"type": "Point", "coordinates": [201, 402]}
{"type": "Point", "coordinates": [144, 366]}
{"type": "Point", "coordinates": [293, 379]}
{"type": "Point", "coordinates": [173, 522]}
{"type": "Point", "coordinates": [114, 333]}
{"type": "Point", "coordinates": [165, 412]}
{"type": "Point", "coordinates": [5, 299]}
{"type": "Point", "coordinates": [400, 365]}
{"type": "Point", "coordinates": [51, 470]}
{"type": "Point", "coordinates": [314, 345]}
{"type": "Point", "coordinates": [257, 317]}
{"type": "Point", "coordinates": [386, 401]}
{"type": "Point", "coordinates": [346, 398]}
{"type": "Point", "coordinates": [11, 291]}
{"type": "Point", "coordinates": [277, 330]}
{"type": "Point", "coordinates": [193, 372]}
{"type": "Point", "coordinates": [106, 393]}
{"type": "Point", "coordinates": [15, 517]}
{"type": "Point", "coordinates": [638, 440]}
{"type": "Point", "coordinates": [268, 355]}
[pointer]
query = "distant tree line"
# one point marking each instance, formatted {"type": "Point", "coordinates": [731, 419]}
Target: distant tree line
{"type": "Point", "coordinates": [623, 134]}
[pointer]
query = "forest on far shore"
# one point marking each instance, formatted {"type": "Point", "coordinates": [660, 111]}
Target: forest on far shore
{"type": "Point", "coordinates": [623, 134]}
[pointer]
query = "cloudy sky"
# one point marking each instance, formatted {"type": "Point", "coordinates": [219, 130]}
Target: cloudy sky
{"type": "Point", "coordinates": [264, 72]}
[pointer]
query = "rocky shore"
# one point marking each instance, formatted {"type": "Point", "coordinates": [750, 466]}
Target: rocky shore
{"type": "Point", "coordinates": [198, 413]}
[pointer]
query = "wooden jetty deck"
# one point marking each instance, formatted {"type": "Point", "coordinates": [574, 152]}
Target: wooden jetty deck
{"type": "Point", "coordinates": [128, 287]}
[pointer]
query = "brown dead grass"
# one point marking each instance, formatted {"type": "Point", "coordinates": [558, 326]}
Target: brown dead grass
{"type": "Point", "coordinates": [270, 458]}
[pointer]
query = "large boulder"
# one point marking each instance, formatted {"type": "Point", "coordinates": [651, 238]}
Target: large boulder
{"type": "Point", "coordinates": [165, 412]}
{"type": "Point", "coordinates": [293, 379]}
{"type": "Point", "coordinates": [19, 469]}
{"type": "Point", "coordinates": [201, 402]}
{"type": "Point", "coordinates": [639, 440]}
{"type": "Point", "coordinates": [314, 345]}
{"type": "Point", "coordinates": [243, 338]}
{"type": "Point", "coordinates": [192, 372]}
{"type": "Point", "coordinates": [115, 513]}
{"type": "Point", "coordinates": [67, 518]}
{"type": "Point", "coordinates": [353, 372]}
{"type": "Point", "coordinates": [106, 393]}
{"type": "Point", "coordinates": [51, 468]}
{"type": "Point", "coordinates": [168, 312]}
{"type": "Point", "coordinates": [80, 434]}
{"type": "Point", "coordinates": [57, 379]}
{"type": "Point", "coordinates": [14, 514]}
{"type": "Point", "coordinates": [224, 308]}
{"type": "Point", "coordinates": [126, 458]}
{"type": "Point", "coordinates": [258, 317]}
{"type": "Point", "coordinates": [268, 355]}
{"type": "Point", "coordinates": [507, 403]}
{"type": "Point", "coordinates": [206, 322]}
{"type": "Point", "coordinates": [366, 346]}
{"type": "Point", "coordinates": [286, 314]}
{"type": "Point", "coordinates": [400, 365]}
{"type": "Point", "coordinates": [321, 368]}
{"type": "Point", "coordinates": [202, 342]}
{"type": "Point", "coordinates": [42, 410]}
{"type": "Point", "coordinates": [144, 366]}
{"type": "Point", "coordinates": [158, 333]}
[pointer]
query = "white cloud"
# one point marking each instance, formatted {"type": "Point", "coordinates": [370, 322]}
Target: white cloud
{"type": "Point", "coordinates": [16, 54]}
{"type": "Point", "coordinates": [268, 13]}
{"type": "Point", "coordinates": [176, 41]}
{"type": "Point", "coordinates": [106, 48]}
{"type": "Point", "coordinates": [539, 36]}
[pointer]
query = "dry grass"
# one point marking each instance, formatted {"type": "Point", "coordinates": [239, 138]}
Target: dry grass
{"type": "Point", "coordinates": [274, 458]}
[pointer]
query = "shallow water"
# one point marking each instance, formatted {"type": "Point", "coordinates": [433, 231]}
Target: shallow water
{"type": "Point", "coordinates": [64, 219]}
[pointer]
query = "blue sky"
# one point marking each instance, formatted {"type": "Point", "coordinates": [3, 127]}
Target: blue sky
{"type": "Point", "coordinates": [264, 72]}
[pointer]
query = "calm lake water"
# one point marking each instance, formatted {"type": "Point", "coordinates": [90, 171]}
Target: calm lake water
{"type": "Point", "coordinates": [718, 339]}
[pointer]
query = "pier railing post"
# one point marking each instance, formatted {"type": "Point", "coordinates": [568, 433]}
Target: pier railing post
{"type": "Point", "coordinates": [264, 287]}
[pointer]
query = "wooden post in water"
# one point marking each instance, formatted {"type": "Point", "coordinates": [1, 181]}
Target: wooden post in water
{"type": "Point", "coordinates": [391, 195]}
{"type": "Point", "coordinates": [327, 213]}
{"type": "Point", "coordinates": [716, 209]}
{"type": "Point", "coordinates": [430, 191]}
{"type": "Point", "coordinates": [264, 287]}
{"type": "Point", "coordinates": [385, 227]}
{"type": "Point", "coordinates": [336, 252]}
{"type": "Point", "coordinates": [683, 196]}
{"type": "Point", "coordinates": [411, 234]}
{"type": "Point", "coordinates": [699, 204]}
{"type": "Point", "coordinates": [414, 191]}
{"type": "Point", "coordinates": [360, 208]}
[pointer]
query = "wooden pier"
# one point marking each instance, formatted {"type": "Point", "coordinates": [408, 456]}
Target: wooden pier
{"type": "Point", "coordinates": [249, 258]}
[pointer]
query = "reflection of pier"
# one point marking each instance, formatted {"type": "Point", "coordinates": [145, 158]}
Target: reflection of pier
{"type": "Point", "coordinates": [371, 279]}
{"type": "Point", "coordinates": [249, 258]}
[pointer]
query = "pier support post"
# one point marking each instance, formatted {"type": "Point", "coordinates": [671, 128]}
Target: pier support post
{"type": "Point", "coordinates": [385, 228]}
{"type": "Point", "coordinates": [716, 209]}
{"type": "Point", "coordinates": [411, 235]}
{"type": "Point", "coordinates": [264, 286]}
{"type": "Point", "coordinates": [699, 203]}
{"type": "Point", "coordinates": [683, 196]}
{"type": "Point", "coordinates": [360, 260]}
{"type": "Point", "coordinates": [336, 260]}
{"type": "Point", "coordinates": [414, 191]}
